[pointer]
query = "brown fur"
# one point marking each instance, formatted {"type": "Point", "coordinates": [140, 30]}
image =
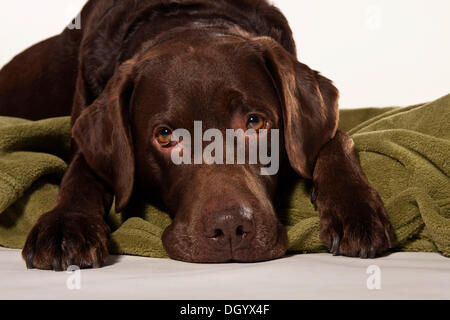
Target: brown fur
{"type": "Point", "coordinates": [139, 64]}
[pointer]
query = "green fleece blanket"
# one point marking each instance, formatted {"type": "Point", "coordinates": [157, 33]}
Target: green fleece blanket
{"type": "Point", "coordinates": [404, 151]}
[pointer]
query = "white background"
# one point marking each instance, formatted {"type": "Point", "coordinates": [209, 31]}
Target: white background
{"type": "Point", "coordinates": [378, 52]}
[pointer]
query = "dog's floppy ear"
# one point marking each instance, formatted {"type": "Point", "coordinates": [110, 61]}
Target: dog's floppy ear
{"type": "Point", "coordinates": [309, 103]}
{"type": "Point", "coordinates": [102, 134]}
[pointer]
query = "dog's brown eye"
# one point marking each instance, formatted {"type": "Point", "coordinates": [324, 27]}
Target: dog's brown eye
{"type": "Point", "coordinates": [255, 123]}
{"type": "Point", "coordinates": [164, 137]}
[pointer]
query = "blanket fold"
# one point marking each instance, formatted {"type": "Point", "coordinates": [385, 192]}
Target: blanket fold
{"type": "Point", "coordinates": [405, 153]}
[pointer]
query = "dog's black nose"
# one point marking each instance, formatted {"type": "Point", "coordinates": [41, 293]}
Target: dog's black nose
{"type": "Point", "coordinates": [230, 228]}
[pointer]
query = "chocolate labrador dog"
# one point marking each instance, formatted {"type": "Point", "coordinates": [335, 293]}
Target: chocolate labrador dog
{"type": "Point", "coordinates": [135, 72]}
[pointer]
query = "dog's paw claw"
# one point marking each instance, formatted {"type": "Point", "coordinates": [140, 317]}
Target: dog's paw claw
{"type": "Point", "coordinates": [372, 252]}
{"type": "Point", "coordinates": [313, 196]}
{"type": "Point", "coordinates": [57, 242]}
{"type": "Point", "coordinates": [388, 237]}
{"type": "Point", "coordinates": [335, 246]}
{"type": "Point", "coordinates": [29, 260]}
{"type": "Point", "coordinates": [365, 234]}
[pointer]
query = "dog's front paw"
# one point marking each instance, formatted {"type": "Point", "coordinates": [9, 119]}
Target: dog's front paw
{"type": "Point", "coordinates": [61, 239]}
{"type": "Point", "coordinates": [356, 225]}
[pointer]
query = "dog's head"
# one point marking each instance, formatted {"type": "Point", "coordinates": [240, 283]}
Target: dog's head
{"type": "Point", "coordinates": [221, 212]}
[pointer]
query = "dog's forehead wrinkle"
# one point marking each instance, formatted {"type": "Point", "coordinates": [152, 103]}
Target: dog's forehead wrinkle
{"type": "Point", "coordinates": [206, 83]}
{"type": "Point", "coordinates": [207, 57]}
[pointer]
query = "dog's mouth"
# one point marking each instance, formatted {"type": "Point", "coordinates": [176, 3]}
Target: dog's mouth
{"type": "Point", "coordinates": [232, 221]}
{"type": "Point", "coordinates": [225, 238]}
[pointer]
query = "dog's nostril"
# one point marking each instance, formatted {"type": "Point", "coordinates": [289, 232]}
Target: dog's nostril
{"type": "Point", "coordinates": [228, 228]}
{"type": "Point", "coordinates": [240, 231]}
{"type": "Point", "coordinates": [218, 233]}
